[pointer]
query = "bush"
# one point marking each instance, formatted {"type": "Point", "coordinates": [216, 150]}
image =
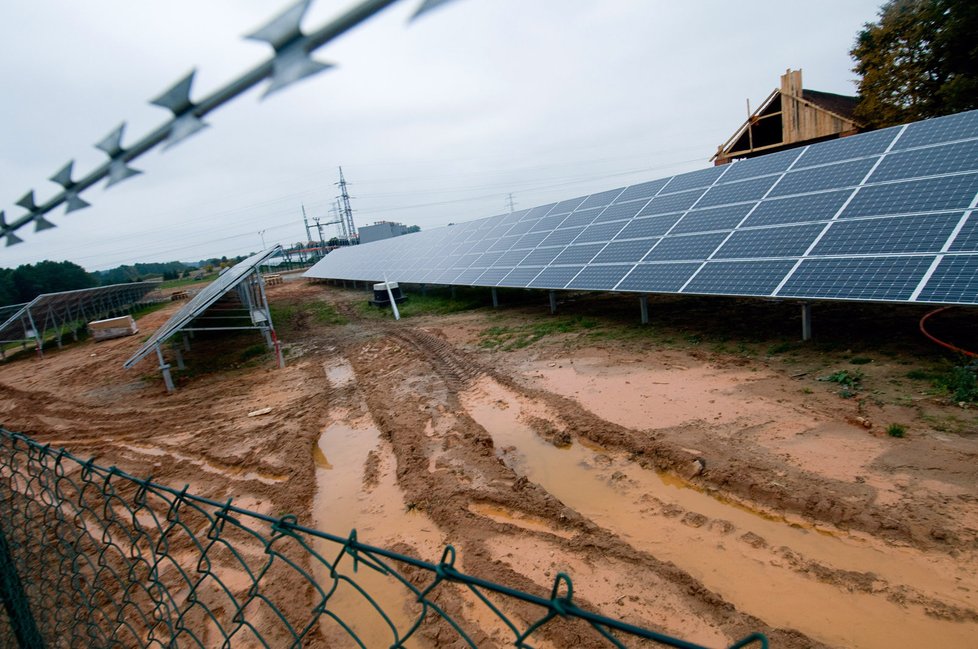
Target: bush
{"type": "Point", "coordinates": [896, 430]}
{"type": "Point", "coordinates": [961, 382]}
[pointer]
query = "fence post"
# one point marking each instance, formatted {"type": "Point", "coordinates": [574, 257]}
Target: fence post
{"type": "Point", "coordinates": [15, 601]}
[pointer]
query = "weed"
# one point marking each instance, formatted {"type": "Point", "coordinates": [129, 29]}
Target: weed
{"type": "Point", "coordinates": [961, 382]}
{"type": "Point", "coordinates": [860, 360]}
{"type": "Point", "coordinates": [851, 382]}
{"type": "Point", "coordinates": [252, 351]}
{"type": "Point", "coordinates": [920, 375]}
{"type": "Point", "coordinates": [520, 336]}
{"type": "Point", "coordinates": [780, 348]}
{"type": "Point", "coordinates": [896, 430]}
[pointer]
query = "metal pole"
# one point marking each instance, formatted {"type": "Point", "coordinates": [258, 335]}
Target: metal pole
{"type": "Point", "coordinates": [15, 601]}
{"type": "Point", "coordinates": [165, 370]}
{"type": "Point", "coordinates": [270, 331]}
{"type": "Point", "coordinates": [179, 355]}
{"type": "Point", "coordinates": [806, 321]}
{"type": "Point", "coordinates": [495, 298]}
{"type": "Point", "coordinates": [643, 302]}
{"type": "Point", "coordinates": [553, 302]}
{"type": "Point", "coordinates": [390, 295]}
{"type": "Point", "coordinates": [37, 335]}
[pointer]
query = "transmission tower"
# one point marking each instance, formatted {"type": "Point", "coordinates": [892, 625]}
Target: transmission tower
{"type": "Point", "coordinates": [346, 212]}
{"type": "Point", "coordinates": [305, 220]}
{"type": "Point", "coordinates": [510, 204]}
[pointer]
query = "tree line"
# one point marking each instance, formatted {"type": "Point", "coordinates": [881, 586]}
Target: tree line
{"type": "Point", "coordinates": [918, 60]}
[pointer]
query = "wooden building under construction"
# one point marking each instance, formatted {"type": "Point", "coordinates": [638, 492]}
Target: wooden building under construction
{"type": "Point", "coordinates": [791, 116]}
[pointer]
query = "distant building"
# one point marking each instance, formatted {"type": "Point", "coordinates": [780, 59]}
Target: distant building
{"type": "Point", "coordinates": [381, 230]}
{"type": "Point", "coordinates": [791, 116]}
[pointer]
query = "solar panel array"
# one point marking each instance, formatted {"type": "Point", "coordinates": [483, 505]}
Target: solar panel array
{"type": "Point", "coordinates": [882, 216]}
{"type": "Point", "coordinates": [54, 310]}
{"type": "Point", "coordinates": [199, 303]}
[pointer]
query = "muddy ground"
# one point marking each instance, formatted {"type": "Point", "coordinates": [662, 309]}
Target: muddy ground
{"type": "Point", "coordinates": [698, 476]}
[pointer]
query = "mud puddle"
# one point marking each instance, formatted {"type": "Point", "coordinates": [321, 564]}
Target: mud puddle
{"type": "Point", "coordinates": [376, 607]}
{"type": "Point", "coordinates": [759, 564]}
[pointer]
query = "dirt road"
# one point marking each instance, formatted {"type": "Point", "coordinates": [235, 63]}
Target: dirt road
{"type": "Point", "coordinates": [704, 494]}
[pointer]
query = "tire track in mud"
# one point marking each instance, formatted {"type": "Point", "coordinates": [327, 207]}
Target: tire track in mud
{"type": "Point", "coordinates": [453, 474]}
{"type": "Point", "coordinates": [445, 360]}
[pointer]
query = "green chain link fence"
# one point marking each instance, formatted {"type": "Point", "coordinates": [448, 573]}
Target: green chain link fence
{"type": "Point", "coordinates": [93, 557]}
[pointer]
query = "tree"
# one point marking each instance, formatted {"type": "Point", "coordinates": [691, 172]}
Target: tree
{"type": "Point", "coordinates": [919, 60]}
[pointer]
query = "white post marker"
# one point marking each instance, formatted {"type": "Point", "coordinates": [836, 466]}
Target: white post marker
{"type": "Point", "coordinates": [390, 296]}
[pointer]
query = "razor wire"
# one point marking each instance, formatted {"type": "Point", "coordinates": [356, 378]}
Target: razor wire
{"type": "Point", "coordinates": [93, 556]}
{"type": "Point", "coordinates": [292, 61]}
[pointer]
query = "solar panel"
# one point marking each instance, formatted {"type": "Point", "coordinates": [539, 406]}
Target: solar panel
{"type": "Point", "coordinates": [862, 278]}
{"type": "Point", "coordinates": [555, 277]}
{"type": "Point", "coordinates": [199, 303]}
{"type": "Point", "coordinates": [738, 192]}
{"type": "Point", "coordinates": [63, 310]}
{"type": "Point", "coordinates": [918, 233]}
{"type": "Point", "coordinates": [664, 278]}
{"type": "Point", "coordinates": [598, 277]}
{"type": "Point", "coordinates": [887, 215]}
{"type": "Point", "coordinates": [717, 218]}
{"type": "Point", "coordinates": [738, 277]}
{"type": "Point", "coordinates": [954, 280]}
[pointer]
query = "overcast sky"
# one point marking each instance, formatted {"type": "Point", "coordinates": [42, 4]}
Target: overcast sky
{"type": "Point", "coordinates": [433, 122]}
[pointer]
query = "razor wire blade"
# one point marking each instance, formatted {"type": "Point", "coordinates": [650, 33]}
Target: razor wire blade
{"type": "Point", "coordinates": [291, 62]}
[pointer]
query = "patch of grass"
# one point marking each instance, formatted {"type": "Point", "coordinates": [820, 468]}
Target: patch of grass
{"type": "Point", "coordinates": [961, 382]}
{"type": "Point", "coordinates": [781, 348]}
{"type": "Point", "coordinates": [896, 430]}
{"type": "Point", "coordinates": [176, 283]}
{"type": "Point", "coordinates": [292, 318]}
{"type": "Point", "coordinates": [253, 351]}
{"type": "Point", "coordinates": [860, 360]}
{"type": "Point", "coordinates": [920, 375]}
{"type": "Point", "coordinates": [850, 382]}
{"type": "Point", "coordinates": [520, 336]}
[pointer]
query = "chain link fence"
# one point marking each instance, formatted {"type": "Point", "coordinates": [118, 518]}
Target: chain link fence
{"type": "Point", "coordinates": [91, 556]}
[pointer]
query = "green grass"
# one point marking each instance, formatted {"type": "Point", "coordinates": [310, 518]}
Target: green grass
{"type": "Point", "coordinates": [921, 375]}
{"type": "Point", "coordinates": [435, 302]}
{"type": "Point", "coordinates": [896, 430]}
{"type": "Point", "coordinates": [291, 318]}
{"type": "Point", "coordinates": [509, 338]}
{"type": "Point", "coordinates": [176, 283]}
{"type": "Point", "coordinates": [960, 382]}
{"type": "Point", "coordinates": [850, 382]}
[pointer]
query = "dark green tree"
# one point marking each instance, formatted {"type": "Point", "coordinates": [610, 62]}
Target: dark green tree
{"type": "Point", "coordinates": [919, 60]}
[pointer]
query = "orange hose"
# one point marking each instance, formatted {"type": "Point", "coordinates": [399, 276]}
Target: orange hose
{"type": "Point", "coordinates": [933, 338]}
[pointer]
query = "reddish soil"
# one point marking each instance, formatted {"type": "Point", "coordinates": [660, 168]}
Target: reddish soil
{"type": "Point", "coordinates": [704, 489]}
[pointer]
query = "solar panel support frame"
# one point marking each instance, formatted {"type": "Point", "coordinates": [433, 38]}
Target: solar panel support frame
{"type": "Point", "coordinates": [250, 287]}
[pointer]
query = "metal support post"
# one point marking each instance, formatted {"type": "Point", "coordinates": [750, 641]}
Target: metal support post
{"type": "Point", "coordinates": [424, 290]}
{"type": "Point", "coordinates": [806, 321]}
{"type": "Point", "coordinates": [495, 298]}
{"type": "Point", "coordinates": [38, 336]}
{"type": "Point", "coordinates": [453, 291]}
{"type": "Point", "coordinates": [165, 370]}
{"type": "Point", "coordinates": [553, 302]}
{"type": "Point", "coordinates": [15, 601]}
{"type": "Point", "coordinates": [643, 303]}
{"type": "Point", "coordinates": [186, 342]}
{"type": "Point", "coordinates": [179, 355]}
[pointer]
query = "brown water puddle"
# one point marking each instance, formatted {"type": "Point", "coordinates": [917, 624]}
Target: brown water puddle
{"type": "Point", "coordinates": [342, 503]}
{"type": "Point", "coordinates": [753, 578]}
